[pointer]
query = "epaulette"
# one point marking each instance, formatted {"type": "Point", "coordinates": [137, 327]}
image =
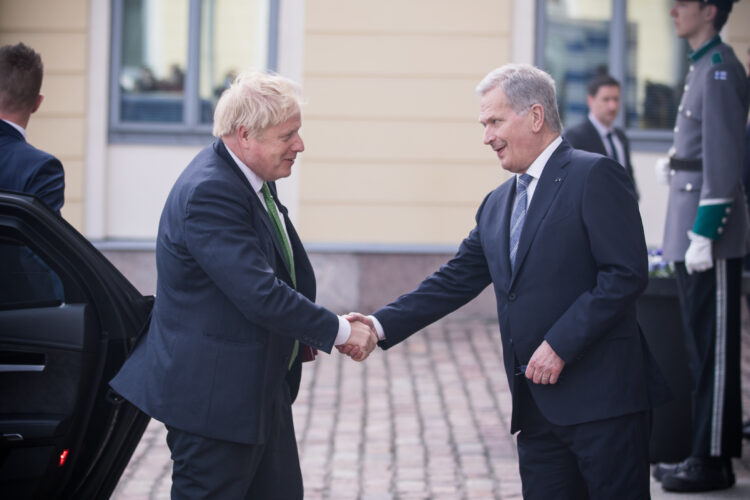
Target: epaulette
{"type": "Point", "coordinates": [716, 58]}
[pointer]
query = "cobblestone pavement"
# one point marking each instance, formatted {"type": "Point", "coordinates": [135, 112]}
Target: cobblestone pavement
{"type": "Point", "coordinates": [428, 419]}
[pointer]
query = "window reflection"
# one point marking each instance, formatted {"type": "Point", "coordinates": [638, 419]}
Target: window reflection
{"type": "Point", "coordinates": [234, 35]}
{"type": "Point", "coordinates": [577, 48]}
{"type": "Point", "coordinates": [154, 59]}
{"type": "Point", "coordinates": [659, 66]}
{"type": "Point", "coordinates": [27, 281]}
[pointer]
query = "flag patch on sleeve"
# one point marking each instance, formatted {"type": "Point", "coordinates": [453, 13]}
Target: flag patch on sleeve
{"type": "Point", "coordinates": [720, 75]}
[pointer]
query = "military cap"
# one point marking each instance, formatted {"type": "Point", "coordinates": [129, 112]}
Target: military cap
{"type": "Point", "coordinates": [725, 5]}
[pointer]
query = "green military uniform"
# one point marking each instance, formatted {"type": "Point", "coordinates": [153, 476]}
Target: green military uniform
{"type": "Point", "coordinates": [707, 198]}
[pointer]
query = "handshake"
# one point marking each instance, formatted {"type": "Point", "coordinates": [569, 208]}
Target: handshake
{"type": "Point", "coordinates": [363, 337]}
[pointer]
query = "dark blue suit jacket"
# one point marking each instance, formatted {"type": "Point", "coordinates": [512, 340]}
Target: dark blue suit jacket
{"type": "Point", "coordinates": [581, 265]}
{"type": "Point", "coordinates": [26, 169]}
{"type": "Point", "coordinates": [585, 136]}
{"type": "Point", "coordinates": [226, 316]}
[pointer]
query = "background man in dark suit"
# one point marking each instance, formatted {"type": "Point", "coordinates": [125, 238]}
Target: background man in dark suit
{"type": "Point", "coordinates": [567, 269]}
{"type": "Point", "coordinates": [234, 311]}
{"type": "Point", "coordinates": [23, 167]}
{"type": "Point", "coordinates": [597, 133]}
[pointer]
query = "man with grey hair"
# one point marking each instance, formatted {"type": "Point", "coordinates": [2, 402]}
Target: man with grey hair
{"type": "Point", "coordinates": [234, 313]}
{"type": "Point", "coordinates": [562, 244]}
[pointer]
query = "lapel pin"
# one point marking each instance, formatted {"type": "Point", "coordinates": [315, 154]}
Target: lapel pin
{"type": "Point", "coordinates": [558, 180]}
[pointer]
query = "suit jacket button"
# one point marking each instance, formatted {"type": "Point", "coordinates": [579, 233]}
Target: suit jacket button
{"type": "Point", "coordinates": [511, 296]}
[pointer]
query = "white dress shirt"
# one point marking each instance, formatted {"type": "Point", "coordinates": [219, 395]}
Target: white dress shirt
{"type": "Point", "coordinates": [536, 168]}
{"type": "Point", "coordinates": [256, 182]}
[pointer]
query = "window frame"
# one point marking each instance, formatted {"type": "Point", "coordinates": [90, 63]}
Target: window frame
{"type": "Point", "coordinates": [649, 140]}
{"type": "Point", "coordinates": [190, 130]}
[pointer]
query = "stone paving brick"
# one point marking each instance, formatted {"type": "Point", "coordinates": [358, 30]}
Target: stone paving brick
{"type": "Point", "coordinates": [428, 419]}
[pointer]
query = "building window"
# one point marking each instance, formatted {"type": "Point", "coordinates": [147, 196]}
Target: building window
{"type": "Point", "coordinates": [171, 59]}
{"type": "Point", "coordinates": [634, 41]}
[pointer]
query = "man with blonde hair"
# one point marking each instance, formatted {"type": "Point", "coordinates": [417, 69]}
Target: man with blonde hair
{"type": "Point", "coordinates": [234, 313]}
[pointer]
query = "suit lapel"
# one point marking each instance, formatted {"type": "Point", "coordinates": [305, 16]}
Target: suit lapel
{"type": "Point", "coordinates": [254, 201]}
{"type": "Point", "coordinates": [291, 233]}
{"type": "Point", "coordinates": [545, 193]}
{"type": "Point", "coordinates": [626, 150]}
{"type": "Point", "coordinates": [597, 145]}
{"type": "Point", "coordinates": [303, 267]}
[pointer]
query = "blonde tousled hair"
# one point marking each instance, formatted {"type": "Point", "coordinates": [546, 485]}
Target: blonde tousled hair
{"type": "Point", "coordinates": [256, 101]}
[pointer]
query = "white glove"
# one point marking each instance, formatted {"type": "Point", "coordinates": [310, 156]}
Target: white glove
{"type": "Point", "coordinates": [661, 169]}
{"type": "Point", "coordinates": [698, 257]}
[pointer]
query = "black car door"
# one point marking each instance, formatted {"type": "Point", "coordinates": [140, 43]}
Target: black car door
{"type": "Point", "coordinates": [68, 320]}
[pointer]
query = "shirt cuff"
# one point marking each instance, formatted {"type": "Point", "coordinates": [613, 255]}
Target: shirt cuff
{"type": "Point", "coordinates": [378, 327]}
{"type": "Point", "coordinates": [345, 329]}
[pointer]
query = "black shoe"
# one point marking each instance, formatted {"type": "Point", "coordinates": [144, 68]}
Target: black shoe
{"type": "Point", "coordinates": [662, 468]}
{"type": "Point", "coordinates": [700, 474]}
{"type": "Point", "coordinates": [746, 429]}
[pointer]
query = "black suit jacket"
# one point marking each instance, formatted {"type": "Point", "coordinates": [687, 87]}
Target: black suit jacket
{"type": "Point", "coordinates": [580, 266]}
{"type": "Point", "coordinates": [26, 169]}
{"type": "Point", "coordinates": [226, 316]}
{"type": "Point", "coordinates": [585, 136]}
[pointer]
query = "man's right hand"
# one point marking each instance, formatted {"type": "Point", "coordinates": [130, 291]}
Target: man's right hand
{"type": "Point", "coordinates": [362, 341]}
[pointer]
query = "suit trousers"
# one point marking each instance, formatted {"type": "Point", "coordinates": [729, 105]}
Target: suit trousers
{"type": "Point", "coordinates": [205, 468]}
{"type": "Point", "coordinates": [710, 303]}
{"type": "Point", "coordinates": [598, 460]}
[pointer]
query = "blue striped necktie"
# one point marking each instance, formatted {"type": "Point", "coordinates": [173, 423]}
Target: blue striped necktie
{"type": "Point", "coordinates": [518, 215]}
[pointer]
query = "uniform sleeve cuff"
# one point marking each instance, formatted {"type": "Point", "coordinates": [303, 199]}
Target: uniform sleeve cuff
{"type": "Point", "coordinates": [712, 218]}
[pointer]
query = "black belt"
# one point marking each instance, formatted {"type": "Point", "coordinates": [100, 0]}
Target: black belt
{"type": "Point", "coordinates": [683, 164]}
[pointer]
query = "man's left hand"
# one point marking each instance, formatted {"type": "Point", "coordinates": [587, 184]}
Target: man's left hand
{"type": "Point", "coordinates": [545, 365]}
{"type": "Point", "coordinates": [698, 257]}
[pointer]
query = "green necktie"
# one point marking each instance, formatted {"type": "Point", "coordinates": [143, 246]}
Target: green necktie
{"type": "Point", "coordinates": [274, 214]}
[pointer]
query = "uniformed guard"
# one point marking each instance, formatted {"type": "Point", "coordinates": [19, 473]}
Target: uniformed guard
{"type": "Point", "coordinates": [706, 235]}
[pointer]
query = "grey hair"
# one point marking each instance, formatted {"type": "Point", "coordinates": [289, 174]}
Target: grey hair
{"type": "Point", "coordinates": [256, 101]}
{"type": "Point", "coordinates": [525, 85]}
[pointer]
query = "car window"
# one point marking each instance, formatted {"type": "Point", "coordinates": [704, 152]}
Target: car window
{"type": "Point", "coordinates": [26, 280]}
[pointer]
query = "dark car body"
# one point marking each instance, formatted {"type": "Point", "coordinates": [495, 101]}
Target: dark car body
{"type": "Point", "coordinates": [68, 319]}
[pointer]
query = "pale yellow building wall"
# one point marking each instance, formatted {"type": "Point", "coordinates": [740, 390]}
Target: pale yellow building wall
{"type": "Point", "coordinates": [59, 32]}
{"type": "Point", "coordinates": [394, 148]}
